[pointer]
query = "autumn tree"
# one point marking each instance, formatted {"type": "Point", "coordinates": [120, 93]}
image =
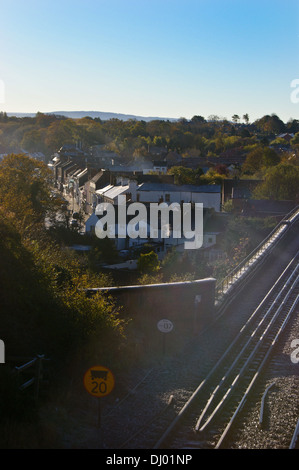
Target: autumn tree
{"type": "Point", "coordinates": [25, 190]}
{"type": "Point", "coordinates": [295, 140]}
{"type": "Point", "coordinates": [292, 126]}
{"type": "Point", "coordinates": [270, 157]}
{"type": "Point", "coordinates": [183, 175]}
{"type": "Point", "coordinates": [270, 124]}
{"type": "Point", "coordinates": [258, 158]}
{"type": "Point", "coordinates": [62, 132]}
{"type": "Point", "coordinates": [43, 298]}
{"type": "Point", "coordinates": [281, 183]}
{"type": "Point", "coordinates": [33, 141]}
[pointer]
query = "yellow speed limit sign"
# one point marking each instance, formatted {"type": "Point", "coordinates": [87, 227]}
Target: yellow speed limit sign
{"type": "Point", "coordinates": [99, 381]}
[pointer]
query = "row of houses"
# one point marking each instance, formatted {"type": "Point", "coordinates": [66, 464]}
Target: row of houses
{"type": "Point", "coordinates": [88, 185]}
{"type": "Point", "coordinates": [158, 192]}
{"type": "Point", "coordinates": [149, 193]}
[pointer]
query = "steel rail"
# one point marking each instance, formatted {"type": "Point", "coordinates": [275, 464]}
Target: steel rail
{"type": "Point", "coordinates": [243, 350]}
{"type": "Point", "coordinates": [248, 361]}
{"type": "Point", "coordinates": [237, 273]}
{"type": "Point", "coordinates": [201, 386]}
{"type": "Point", "coordinates": [295, 437]}
{"type": "Point", "coordinates": [263, 403]}
{"type": "Point", "coordinates": [256, 375]}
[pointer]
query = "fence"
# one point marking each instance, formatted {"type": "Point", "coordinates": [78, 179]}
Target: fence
{"type": "Point", "coordinates": [253, 260]}
{"type": "Point", "coordinates": [37, 365]}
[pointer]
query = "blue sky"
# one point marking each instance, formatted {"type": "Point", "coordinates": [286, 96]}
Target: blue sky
{"type": "Point", "coordinates": [166, 58]}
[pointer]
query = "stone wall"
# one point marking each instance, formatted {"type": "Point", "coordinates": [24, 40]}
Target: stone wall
{"type": "Point", "coordinates": [188, 305]}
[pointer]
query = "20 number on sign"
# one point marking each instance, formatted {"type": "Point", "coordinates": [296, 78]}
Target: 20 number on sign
{"type": "Point", "coordinates": [99, 381]}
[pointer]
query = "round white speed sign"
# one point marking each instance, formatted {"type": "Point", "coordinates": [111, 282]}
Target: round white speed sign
{"type": "Point", "coordinates": [165, 326]}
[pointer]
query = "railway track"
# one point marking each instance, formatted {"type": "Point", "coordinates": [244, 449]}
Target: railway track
{"type": "Point", "coordinates": [193, 399]}
{"type": "Point", "coordinates": [212, 410]}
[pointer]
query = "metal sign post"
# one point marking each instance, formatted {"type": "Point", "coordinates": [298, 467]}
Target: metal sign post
{"type": "Point", "coordinates": [99, 382]}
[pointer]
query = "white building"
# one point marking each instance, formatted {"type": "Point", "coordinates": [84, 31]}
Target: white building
{"type": "Point", "coordinates": [208, 195]}
{"type": "Point", "coordinates": [147, 193]}
{"type": "Point", "coordinates": [120, 243]}
{"type": "Point", "coordinates": [110, 193]}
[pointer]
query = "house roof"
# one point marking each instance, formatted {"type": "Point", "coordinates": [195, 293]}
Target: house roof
{"type": "Point", "coordinates": [82, 173]}
{"type": "Point", "coordinates": [174, 156]}
{"type": "Point", "coordinates": [71, 171]}
{"type": "Point", "coordinates": [119, 168]}
{"type": "Point", "coordinates": [97, 176]}
{"type": "Point", "coordinates": [116, 191]}
{"type": "Point", "coordinates": [286, 134]}
{"type": "Point", "coordinates": [103, 190]}
{"type": "Point", "coordinates": [136, 165]}
{"type": "Point", "coordinates": [66, 164]}
{"type": "Point", "coordinates": [211, 188]}
{"type": "Point", "coordinates": [76, 173]}
{"type": "Point", "coordinates": [111, 191]}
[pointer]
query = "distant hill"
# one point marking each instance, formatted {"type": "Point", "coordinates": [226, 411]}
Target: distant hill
{"type": "Point", "coordinates": [95, 114]}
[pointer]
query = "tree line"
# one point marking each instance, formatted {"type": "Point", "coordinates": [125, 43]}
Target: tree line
{"type": "Point", "coordinates": [198, 136]}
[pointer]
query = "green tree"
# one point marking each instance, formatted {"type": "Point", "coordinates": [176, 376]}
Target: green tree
{"type": "Point", "coordinates": [279, 142]}
{"type": "Point", "coordinates": [295, 139]}
{"type": "Point", "coordinates": [182, 175]}
{"type": "Point", "coordinates": [270, 124]}
{"type": "Point", "coordinates": [236, 118]}
{"type": "Point", "coordinates": [148, 262]}
{"type": "Point", "coordinates": [212, 177]}
{"type": "Point", "coordinates": [270, 157]}
{"type": "Point", "coordinates": [258, 158]}
{"type": "Point", "coordinates": [197, 119]}
{"type": "Point", "coordinates": [65, 131]}
{"type": "Point", "coordinates": [33, 141]}
{"type": "Point", "coordinates": [281, 183]}
{"type": "Point", "coordinates": [246, 118]}
{"type": "Point", "coordinates": [25, 190]}
{"type": "Point", "coordinates": [51, 312]}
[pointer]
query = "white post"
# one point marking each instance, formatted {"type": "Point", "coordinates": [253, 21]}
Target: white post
{"type": "Point", "coordinates": [2, 352]}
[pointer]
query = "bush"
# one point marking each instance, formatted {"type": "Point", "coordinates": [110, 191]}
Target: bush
{"type": "Point", "coordinates": [148, 262]}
